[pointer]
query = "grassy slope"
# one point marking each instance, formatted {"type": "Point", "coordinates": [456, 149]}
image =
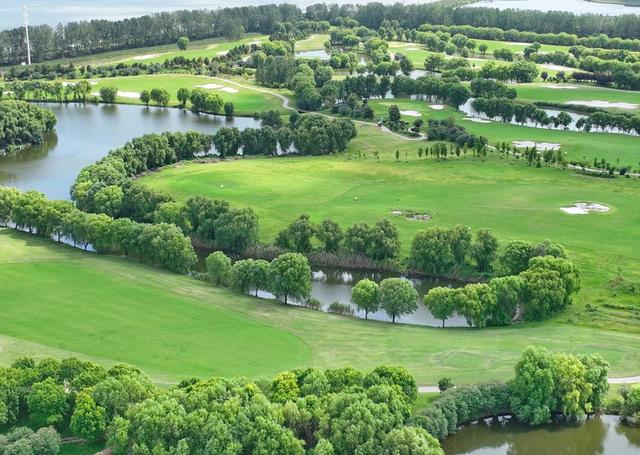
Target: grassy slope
{"type": "Point", "coordinates": [246, 101]}
{"type": "Point", "coordinates": [173, 326]}
{"type": "Point", "coordinates": [512, 199]}
{"type": "Point", "coordinates": [312, 43]}
{"type": "Point", "coordinates": [577, 145]}
{"type": "Point", "coordinates": [104, 309]}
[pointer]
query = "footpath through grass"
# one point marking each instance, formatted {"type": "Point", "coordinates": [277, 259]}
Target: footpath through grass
{"type": "Point", "coordinates": [60, 301]}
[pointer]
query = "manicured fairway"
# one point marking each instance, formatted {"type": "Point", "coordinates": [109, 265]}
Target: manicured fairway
{"type": "Point", "coordinates": [173, 326]}
{"type": "Point", "coordinates": [312, 43]}
{"type": "Point", "coordinates": [246, 98]}
{"type": "Point", "coordinates": [512, 199]}
{"type": "Point", "coordinates": [576, 92]}
{"type": "Point", "coordinates": [577, 145]}
{"type": "Point", "coordinates": [58, 297]}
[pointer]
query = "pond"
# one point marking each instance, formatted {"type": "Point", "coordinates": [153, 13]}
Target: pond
{"type": "Point", "coordinates": [334, 284]}
{"type": "Point", "coordinates": [572, 6]}
{"type": "Point", "coordinates": [86, 133]}
{"type": "Point", "coordinates": [603, 435]}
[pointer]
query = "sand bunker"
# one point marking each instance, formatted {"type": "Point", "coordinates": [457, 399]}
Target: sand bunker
{"type": "Point", "coordinates": [604, 104]}
{"type": "Point", "coordinates": [550, 66]}
{"type": "Point", "coordinates": [209, 86]}
{"type": "Point", "coordinates": [412, 216]}
{"type": "Point", "coordinates": [229, 90]}
{"type": "Point", "coordinates": [437, 107]}
{"type": "Point", "coordinates": [145, 56]}
{"type": "Point", "coordinates": [560, 87]}
{"type": "Point", "coordinates": [584, 208]}
{"type": "Point", "coordinates": [476, 120]}
{"type": "Point", "coordinates": [411, 113]}
{"type": "Point", "coordinates": [135, 95]}
{"type": "Point", "coordinates": [67, 84]}
{"type": "Point", "coordinates": [222, 53]}
{"type": "Point", "coordinates": [541, 146]}
{"type": "Point", "coordinates": [412, 49]}
{"type": "Point", "coordinates": [513, 43]}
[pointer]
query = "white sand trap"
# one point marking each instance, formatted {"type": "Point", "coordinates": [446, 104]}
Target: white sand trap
{"type": "Point", "coordinates": [561, 87]}
{"type": "Point", "coordinates": [584, 208]}
{"type": "Point", "coordinates": [541, 146]}
{"type": "Point", "coordinates": [135, 95]}
{"type": "Point", "coordinates": [513, 43]}
{"type": "Point", "coordinates": [66, 84]}
{"type": "Point", "coordinates": [412, 49]}
{"type": "Point", "coordinates": [229, 90]}
{"type": "Point", "coordinates": [95, 93]}
{"type": "Point", "coordinates": [222, 53]}
{"type": "Point", "coordinates": [209, 86]}
{"type": "Point", "coordinates": [550, 66]}
{"type": "Point", "coordinates": [145, 56]}
{"type": "Point", "coordinates": [604, 104]}
{"type": "Point", "coordinates": [436, 107]}
{"type": "Point", "coordinates": [411, 113]}
{"type": "Point", "coordinates": [476, 120]}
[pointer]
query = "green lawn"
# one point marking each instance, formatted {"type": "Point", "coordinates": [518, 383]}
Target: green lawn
{"type": "Point", "coordinates": [577, 145]}
{"type": "Point", "coordinates": [312, 43]}
{"type": "Point", "coordinates": [576, 92]}
{"type": "Point", "coordinates": [199, 48]}
{"type": "Point", "coordinates": [512, 199]}
{"type": "Point", "coordinates": [60, 301]}
{"type": "Point", "coordinates": [246, 97]}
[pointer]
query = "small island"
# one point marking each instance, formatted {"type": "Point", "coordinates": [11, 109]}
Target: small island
{"type": "Point", "coordinates": [23, 124]}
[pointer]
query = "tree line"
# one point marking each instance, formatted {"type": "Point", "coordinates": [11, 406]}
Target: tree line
{"type": "Point", "coordinates": [89, 37]}
{"type": "Point", "coordinates": [546, 384]}
{"type": "Point", "coordinates": [23, 124]}
{"type": "Point", "coordinates": [304, 411]}
{"type": "Point", "coordinates": [161, 244]}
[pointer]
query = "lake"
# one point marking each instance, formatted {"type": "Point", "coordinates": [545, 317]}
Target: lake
{"type": "Point", "coordinates": [86, 133]}
{"type": "Point", "coordinates": [572, 6]}
{"type": "Point", "coordinates": [603, 435]}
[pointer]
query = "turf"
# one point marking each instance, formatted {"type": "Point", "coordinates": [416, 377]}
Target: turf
{"type": "Point", "coordinates": [512, 199]}
{"type": "Point", "coordinates": [173, 326]}
{"type": "Point", "coordinates": [247, 100]}
{"type": "Point", "coordinates": [312, 43]}
{"type": "Point", "coordinates": [114, 314]}
{"type": "Point", "coordinates": [579, 146]}
{"type": "Point", "coordinates": [538, 92]}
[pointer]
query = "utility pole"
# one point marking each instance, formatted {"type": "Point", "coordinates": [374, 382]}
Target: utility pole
{"type": "Point", "coordinates": [26, 31]}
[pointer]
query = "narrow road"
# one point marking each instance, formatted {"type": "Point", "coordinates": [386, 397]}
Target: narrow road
{"type": "Point", "coordinates": [622, 380]}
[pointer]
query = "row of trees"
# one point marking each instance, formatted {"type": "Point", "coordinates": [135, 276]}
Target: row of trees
{"type": "Point", "coordinates": [395, 296]}
{"type": "Point", "coordinates": [546, 384]}
{"type": "Point", "coordinates": [599, 40]}
{"type": "Point", "coordinates": [448, 130]}
{"type": "Point", "coordinates": [545, 288]}
{"type": "Point", "coordinates": [23, 124]}
{"type": "Point", "coordinates": [161, 244]}
{"type": "Point", "coordinates": [88, 37]}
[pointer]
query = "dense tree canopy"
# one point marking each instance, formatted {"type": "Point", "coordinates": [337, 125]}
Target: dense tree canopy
{"type": "Point", "coordinates": [23, 124]}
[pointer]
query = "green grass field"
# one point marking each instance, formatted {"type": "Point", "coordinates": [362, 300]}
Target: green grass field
{"type": "Point", "coordinates": [312, 43]}
{"type": "Point", "coordinates": [512, 199]}
{"type": "Point", "coordinates": [576, 145]}
{"type": "Point", "coordinates": [576, 92]}
{"type": "Point", "coordinates": [199, 48]}
{"type": "Point", "coordinates": [60, 301]}
{"type": "Point", "coordinates": [247, 97]}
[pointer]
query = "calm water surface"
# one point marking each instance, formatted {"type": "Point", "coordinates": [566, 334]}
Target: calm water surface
{"type": "Point", "coordinates": [572, 6]}
{"type": "Point", "coordinates": [86, 133]}
{"type": "Point", "coordinates": [599, 436]}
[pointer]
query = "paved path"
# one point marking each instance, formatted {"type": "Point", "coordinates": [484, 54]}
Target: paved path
{"type": "Point", "coordinates": [622, 380]}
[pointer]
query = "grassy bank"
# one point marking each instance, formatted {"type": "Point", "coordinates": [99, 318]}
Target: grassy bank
{"type": "Point", "coordinates": [110, 310]}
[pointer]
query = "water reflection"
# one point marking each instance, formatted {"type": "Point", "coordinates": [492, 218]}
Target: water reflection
{"type": "Point", "coordinates": [85, 133]}
{"type": "Point", "coordinates": [603, 435]}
